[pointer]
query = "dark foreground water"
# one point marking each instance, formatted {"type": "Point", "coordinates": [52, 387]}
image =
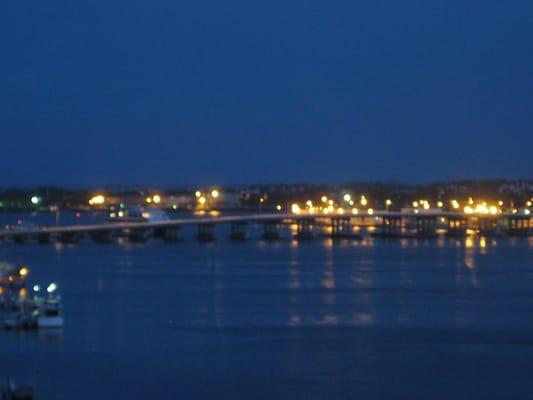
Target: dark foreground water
{"type": "Point", "coordinates": [427, 320]}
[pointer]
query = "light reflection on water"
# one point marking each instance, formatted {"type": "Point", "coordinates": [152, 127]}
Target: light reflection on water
{"type": "Point", "coordinates": [249, 310]}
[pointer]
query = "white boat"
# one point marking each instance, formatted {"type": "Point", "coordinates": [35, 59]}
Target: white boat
{"type": "Point", "coordinates": [48, 315]}
{"type": "Point", "coordinates": [39, 312]}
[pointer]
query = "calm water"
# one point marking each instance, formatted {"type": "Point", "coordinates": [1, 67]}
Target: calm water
{"type": "Point", "coordinates": [410, 319]}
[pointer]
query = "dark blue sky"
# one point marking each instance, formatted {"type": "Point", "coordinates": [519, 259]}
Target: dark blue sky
{"type": "Point", "coordinates": [172, 92]}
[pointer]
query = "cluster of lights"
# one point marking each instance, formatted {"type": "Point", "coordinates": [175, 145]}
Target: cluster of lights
{"type": "Point", "coordinates": [201, 198]}
{"type": "Point", "coordinates": [97, 200]}
{"type": "Point", "coordinates": [155, 199]}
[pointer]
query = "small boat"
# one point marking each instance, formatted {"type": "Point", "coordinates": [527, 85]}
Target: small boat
{"type": "Point", "coordinates": [38, 312]}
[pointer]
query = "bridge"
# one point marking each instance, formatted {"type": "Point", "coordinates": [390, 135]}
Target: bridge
{"type": "Point", "coordinates": [391, 224]}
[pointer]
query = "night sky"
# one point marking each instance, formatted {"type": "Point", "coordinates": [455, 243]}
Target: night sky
{"type": "Point", "coordinates": [201, 92]}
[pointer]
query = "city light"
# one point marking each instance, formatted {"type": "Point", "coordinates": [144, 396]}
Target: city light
{"type": "Point", "coordinates": [202, 200]}
{"type": "Point", "coordinates": [278, 207]}
{"type": "Point", "coordinates": [215, 193]}
{"type": "Point", "coordinates": [347, 197]}
{"type": "Point", "coordinates": [363, 201]}
{"type": "Point", "coordinates": [309, 203]}
{"type": "Point", "coordinates": [97, 200]}
{"type": "Point", "coordinates": [355, 211]}
{"type": "Point", "coordinates": [197, 193]}
{"type": "Point", "coordinates": [324, 199]}
{"type": "Point", "coordinates": [415, 204]}
{"type": "Point", "coordinates": [455, 204]}
{"type": "Point", "coordinates": [35, 200]}
{"type": "Point", "coordinates": [388, 202]}
{"type": "Point", "coordinates": [156, 199]}
{"type": "Point", "coordinates": [24, 271]}
{"type": "Point", "coordinates": [370, 211]}
{"type": "Point", "coordinates": [148, 200]}
{"type": "Point", "coordinates": [440, 204]}
{"type": "Point", "coordinates": [295, 208]}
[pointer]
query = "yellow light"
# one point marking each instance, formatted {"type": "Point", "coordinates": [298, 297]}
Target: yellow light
{"type": "Point", "coordinates": [426, 205]}
{"type": "Point", "coordinates": [340, 210]}
{"type": "Point", "coordinates": [330, 202]}
{"type": "Point", "coordinates": [215, 194]}
{"type": "Point", "coordinates": [197, 193]}
{"type": "Point", "coordinates": [202, 200]}
{"type": "Point", "coordinates": [148, 200]}
{"type": "Point", "coordinates": [415, 204]}
{"type": "Point", "coordinates": [355, 211]}
{"type": "Point", "coordinates": [24, 271]}
{"type": "Point", "coordinates": [97, 200]}
{"type": "Point", "coordinates": [278, 207]}
{"type": "Point", "coordinates": [350, 202]}
{"type": "Point", "coordinates": [493, 210]}
{"type": "Point", "coordinates": [324, 199]}
{"type": "Point", "coordinates": [470, 200]}
{"type": "Point", "coordinates": [388, 202]}
{"type": "Point", "coordinates": [295, 208]}
{"type": "Point", "coordinates": [500, 203]}
{"type": "Point", "coordinates": [347, 197]}
{"type": "Point", "coordinates": [370, 211]}
{"type": "Point", "coordinates": [481, 209]}
{"type": "Point", "coordinates": [309, 203]}
{"type": "Point", "coordinates": [121, 214]}
{"type": "Point", "coordinates": [440, 204]}
{"type": "Point", "coordinates": [528, 203]}
{"type": "Point", "coordinates": [364, 201]}
{"type": "Point", "coordinates": [330, 209]}
{"type": "Point", "coordinates": [514, 211]}
{"type": "Point", "coordinates": [468, 210]}
{"type": "Point", "coordinates": [156, 199]}
{"type": "Point", "coordinates": [455, 204]}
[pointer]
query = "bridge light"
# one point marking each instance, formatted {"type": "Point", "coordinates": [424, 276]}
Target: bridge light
{"type": "Point", "coordinates": [440, 204]}
{"type": "Point", "coordinates": [426, 205]}
{"type": "Point", "coordinates": [370, 211]}
{"type": "Point", "coordinates": [202, 200]}
{"type": "Point", "coordinates": [295, 208]}
{"type": "Point", "coordinates": [340, 210]}
{"type": "Point", "coordinates": [415, 204]}
{"type": "Point", "coordinates": [355, 211]}
{"type": "Point", "coordinates": [156, 199]}
{"type": "Point", "coordinates": [468, 210]}
{"type": "Point", "coordinates": [363, 201]}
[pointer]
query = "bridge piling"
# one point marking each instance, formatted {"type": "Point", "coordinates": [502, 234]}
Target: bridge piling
{"type": "Point", "coordinates": [271, 230]}
{"type": "Point", "coordinates": [206, 232]}
{"type": "Point", "coordinates": [239, 231]}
